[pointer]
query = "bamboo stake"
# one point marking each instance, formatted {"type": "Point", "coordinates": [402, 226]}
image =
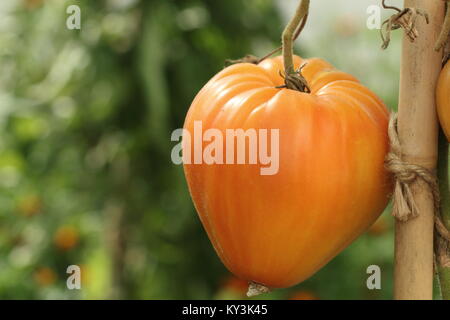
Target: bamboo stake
{"type": "Point", "coordinates": [417, 129]}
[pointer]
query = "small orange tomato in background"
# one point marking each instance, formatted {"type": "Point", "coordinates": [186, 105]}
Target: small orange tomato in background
{"type": "Point", "coordinates": [29, 205]}
{"type": "Point", "coordinates": [443, 99]}
{"type": "Point", "coordinates": [66, 238]}
{"type": "Point", "coordinates": [44, 276]}
{"type": "Point", "coordinates": [232, 288]}
{"type": "Point", "coordinates": [278, 230]}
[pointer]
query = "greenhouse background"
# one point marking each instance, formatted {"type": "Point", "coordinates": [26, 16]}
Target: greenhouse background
{"type": "Point", "coordinates": [85, 121]}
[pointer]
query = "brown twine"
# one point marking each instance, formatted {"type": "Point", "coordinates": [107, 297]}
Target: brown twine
{"type": "Point", "coordinates": [404, 207]}
{"type": "Point", "coordinates": [405, 19]}
{"type": "Point", "coordinates": [405, 174]}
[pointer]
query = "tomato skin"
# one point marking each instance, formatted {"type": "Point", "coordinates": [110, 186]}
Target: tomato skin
{"type": "Point", "coordinates": [443, 99]}
{"type": "Point", "coordinates": [278, 230]}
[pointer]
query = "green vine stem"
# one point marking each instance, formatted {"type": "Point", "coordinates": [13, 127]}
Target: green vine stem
{"type": "Point", "coordinates": [444, 188]}
{"type": "Point", "coordinates": [293, 78]}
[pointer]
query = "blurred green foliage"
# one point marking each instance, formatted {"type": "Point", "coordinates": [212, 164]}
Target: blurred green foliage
{"type": "Point", "coordinates": [85, 170]}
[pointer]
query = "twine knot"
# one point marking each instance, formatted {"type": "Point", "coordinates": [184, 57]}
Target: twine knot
{"type": "Point", "coordinates": [404, 207]}
{"type": "Point", "coordinates": [405, 174]}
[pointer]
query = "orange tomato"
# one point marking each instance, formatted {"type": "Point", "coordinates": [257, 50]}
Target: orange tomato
{"type": "Point", "coordinates": [278, 230]}
{"type": "Point", "coordinates": [443, 99]}
{"type": "Point", "coordinates": [379, 228]}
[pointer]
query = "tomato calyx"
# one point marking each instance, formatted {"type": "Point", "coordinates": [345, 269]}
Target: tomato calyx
{"type": "Point", "coordinates": [294, 80]}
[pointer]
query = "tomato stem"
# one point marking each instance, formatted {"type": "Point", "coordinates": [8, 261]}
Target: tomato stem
{"type": "Point", "coordinates": [297, 33]}
{"type": "Point", "coordinates": [294, 79]}
{"type": "Point", "coordinates": [255, 60]}
{"type": "Point", "coordinates": [385, 6]}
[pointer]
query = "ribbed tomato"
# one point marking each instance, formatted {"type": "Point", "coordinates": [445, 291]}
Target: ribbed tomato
{"type": "Point", "coordinates": [279, 229]}
{"type": "Point", "coordinates": [443, 99]}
